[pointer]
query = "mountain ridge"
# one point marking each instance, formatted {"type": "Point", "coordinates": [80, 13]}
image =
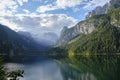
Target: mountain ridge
{"type": "Point", "coordinates": [12, 43]}
{"type": "Point", "coordinates": [98, 34]}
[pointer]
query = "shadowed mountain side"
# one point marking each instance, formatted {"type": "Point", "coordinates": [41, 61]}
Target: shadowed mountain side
{"type": "Point", "coordinates": [13, 43]}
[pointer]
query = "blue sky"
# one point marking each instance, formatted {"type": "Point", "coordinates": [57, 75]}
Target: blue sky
{"type": "Point", "coordinates": [77, 9]}
{"type": "Point", "coordinates": [40, 17]}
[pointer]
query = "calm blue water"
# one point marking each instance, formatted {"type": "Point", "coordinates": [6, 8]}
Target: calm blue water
{"type": "Point", "coordinates": [90, 68]}
{"type": "Point", "coordinates": [42, 70]}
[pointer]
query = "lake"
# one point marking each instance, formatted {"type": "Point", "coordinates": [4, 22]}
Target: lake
{"type": "Point", "coordinates": [78, 68]}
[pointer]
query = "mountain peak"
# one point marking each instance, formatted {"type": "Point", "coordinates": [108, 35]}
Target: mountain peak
{"type": "Point", "coordinates": [108, 7]}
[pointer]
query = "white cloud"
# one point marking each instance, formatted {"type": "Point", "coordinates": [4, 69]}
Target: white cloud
{"type": "Point", "coordinates": [8, 7]}
{"type": "Point", "coordinates": [7, 4]}
{"type": "Point", "coordinates": [26, 11]}
{"type": "Point", "coordinates": [63, 4]}
{"type": "Point", "coordinates": [59, 4]}
{"type": "Point", "coordinates": [21, 2]}
{"type": "Point", "coordinates": [25, 0]}
{"type": "Point", "coordinates": [11, 25]}
{"type": "Point", "coordinates": [56, 21]}
{"type": "Point", "coordinates": [76, 9]}
{"type": "Point", "coordinates": [94, 3]}
{"type": "Point", "coordinates": [48, 7]}
{"type": "Point", "coordinates": [37, 25]}
{"type": "Point", "coordinates": [67, 3]}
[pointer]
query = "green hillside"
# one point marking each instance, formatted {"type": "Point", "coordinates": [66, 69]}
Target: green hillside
{"type": "Point", "coordinates": [104, 39]}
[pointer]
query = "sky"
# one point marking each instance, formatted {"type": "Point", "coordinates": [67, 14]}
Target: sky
{"type": "Point", "coordinates": [44, 19]}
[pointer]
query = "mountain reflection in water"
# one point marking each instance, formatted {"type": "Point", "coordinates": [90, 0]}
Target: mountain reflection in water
{"type": "Point", "coordinates": [77, 68]}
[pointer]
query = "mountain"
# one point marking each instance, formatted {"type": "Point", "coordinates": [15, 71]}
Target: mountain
{"type": "Point", "coordinates": [108, 7]}
{"type": "Point", "coordinates": [50, 38]}
{"type": "Point", "coordinates": [84, 27]}
{"type": "Point", "coordinates": [103, 40]}
{"type": "Point", "coordinates": [26, 34]}
{"type": "Point", "coordinates": [98, 34]}
{"type": "Point", "coordinates": [115, 17]}
{"type": "Point", "coordinates": [12, 43]}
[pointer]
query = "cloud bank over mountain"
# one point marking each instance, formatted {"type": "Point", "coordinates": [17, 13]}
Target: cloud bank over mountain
{"type": "Point", "coordinates": [40, 17]}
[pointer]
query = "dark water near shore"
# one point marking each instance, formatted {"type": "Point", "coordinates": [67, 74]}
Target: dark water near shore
{"type": "Point", "coordinates": [78, 68]}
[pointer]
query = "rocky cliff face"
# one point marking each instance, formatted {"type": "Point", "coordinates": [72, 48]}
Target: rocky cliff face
{"type": "Point", "coordinates": [104, 9]}
{"type": "Point", "coordinates": [100, 10]}
{"type": "Point", "coordinates": [84, 27]}
{"type": "Point", "coordinates": [89, 25]}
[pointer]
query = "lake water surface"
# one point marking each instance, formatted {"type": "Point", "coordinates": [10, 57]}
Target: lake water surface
{"type": "Point", "coordinates": [40, 70]}
{"type": "Point", "coordinates": [91, 69]}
